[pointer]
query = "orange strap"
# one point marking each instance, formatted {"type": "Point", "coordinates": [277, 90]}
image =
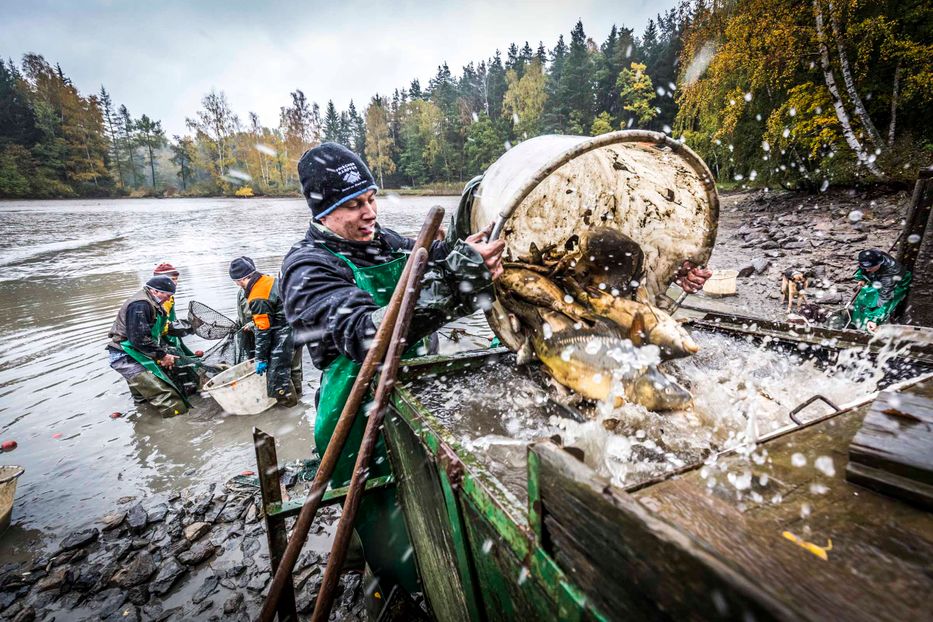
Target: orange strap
{"type": "Point", "coordinates": [261, 288]}
{"type": "Point", "coordinates": [261, 320]}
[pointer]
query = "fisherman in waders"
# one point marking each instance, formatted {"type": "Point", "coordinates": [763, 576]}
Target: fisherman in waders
{"type": "Point", "coordinates": [337, 283]}
{"type": "Point", "coordinates": [139, 353]}
{"type": "Point", "coordinates": [260, 302]}
{"type": "Point", "coordinates": [173, 330]}
{"type": "Point", "coordinates": [882, 283]}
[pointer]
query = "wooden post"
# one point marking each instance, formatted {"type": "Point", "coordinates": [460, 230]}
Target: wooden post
{"type": "Point", "coordinates": [267, 464]}
{"type": "Point", "coordinates": [916, 251]}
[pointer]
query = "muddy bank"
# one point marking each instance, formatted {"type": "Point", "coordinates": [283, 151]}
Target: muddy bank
{"type": "Point", "coordinates": [196, 554]}
{"type": "Point", "coordinates": [770, 232]}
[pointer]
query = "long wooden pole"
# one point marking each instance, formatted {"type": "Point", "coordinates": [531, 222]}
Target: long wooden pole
{"type": "Point", "coordinates": [398, 345]}
{"type": "Point", "coordinates": [339, 438]}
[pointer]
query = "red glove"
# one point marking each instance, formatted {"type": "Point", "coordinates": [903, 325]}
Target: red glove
{"type": "Point", "coordinates": [199, 353]}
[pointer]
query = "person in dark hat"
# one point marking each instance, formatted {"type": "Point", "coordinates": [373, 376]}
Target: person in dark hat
{"type": "Point", "coordinates": [882, 283]}
{"type": "Point", "coordinates": [174, 330]}
{"type": "Point", "coordinates": [139, 352]}
{"type": "Point", "coordinates": [261, 312]}
{"type": "Point", "coordinates": [337, 283]}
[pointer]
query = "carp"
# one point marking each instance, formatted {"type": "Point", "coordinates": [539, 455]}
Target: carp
{"type": "Point", "coordinates": [590, 361]}
{"type": "Point", "coordinates": [644, 323]}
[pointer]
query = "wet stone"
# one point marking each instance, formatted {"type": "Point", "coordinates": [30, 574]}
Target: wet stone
{"type": "Point", "coordinates": [233, 604]}
{"type": "Point", "coordinates": [138, 595]}
{"type": "Point", "coordinates": [55, 580]}
{"type": "Point", "coordinates": [79, 539]}
{"type": "Point", "coordinates": [113, 520]}
{"type": "Point", "coordinates": [137, 518]}
{"type": "Point", "coordinates": [136, 572]}
{"type": "Point", "coordinates": [252, 513]}
{"type": "Point", "coordinates": [177, 547]}
{"type": "Point", "coordinates": [27, 614]}
{"type": "Point", "coordinates": [139, 543]}
{"type": "Point", "coordinates": [258, 582]}
{"type": "Point", "coordinates": [88, 577]}
{"type": "Point", "coordinates": [168, 573]}
{"type": "Point", "coordinates": [109, 601]}
{"type": "Point", "coordinates": [197, 553]}
{"type": "Point", "coordinates": [207, 588]}
{"type": "Point", "coordinates": [250, 546]}
{"type": "Point", "coordinates": [214, 513]}
{"type": "Point", "coordinates": [69, 557]}
{"type": "Point", "coordinates": [195, 530]}
{"type": "Point", "coordinates": [157, 513]}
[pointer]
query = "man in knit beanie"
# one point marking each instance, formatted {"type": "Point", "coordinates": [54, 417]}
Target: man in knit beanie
{"type": "Point", "coordinates": [337, 282]}
{"type": "Point", "coordinates": [139, 352]}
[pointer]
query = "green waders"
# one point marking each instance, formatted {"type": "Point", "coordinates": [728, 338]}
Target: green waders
{"type": "Point", "coordinates": [150, 387]}
{"type": "Point", "coordinates": [379, 523]}
{"type": "Point", "coordinates": [868, 307]}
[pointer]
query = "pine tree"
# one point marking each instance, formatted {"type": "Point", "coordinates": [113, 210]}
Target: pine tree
{"type": "Point", "coordinates": [152, 138]}
{"type": "Point", "coordinates": [111, 126]}
{"type": "Point", "coordinates": [331, 123]}
{"type": "Point", "coordinates": [126, 126]}
{"type": "Point", "coordinates": [575, 89]}
{"type": "Point", "coordinates": [182, 157]}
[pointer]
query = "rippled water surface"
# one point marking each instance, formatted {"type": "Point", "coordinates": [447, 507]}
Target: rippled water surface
{"type": "Point", "coordinates": [65, 269]}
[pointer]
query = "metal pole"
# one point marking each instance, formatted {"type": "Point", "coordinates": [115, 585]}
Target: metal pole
{"type": "Point", "coordinates": [397, 346]}
{"type": "Point", "coordinates": [339, 438]}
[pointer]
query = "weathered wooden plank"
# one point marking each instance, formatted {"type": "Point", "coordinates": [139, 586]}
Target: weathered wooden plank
{"type": "Point", "coordinates": [876, 551]}
{"type": "Point", "coordinates": [450, 596]}
{"type": "Point", "coordinates": [631, 563]}
{"type": "Point", "coordinates": [895, 446]}
{"type": "Point", "coordinates": [509, 590]}
{"type": "Point", "coordinates": [919, 304]}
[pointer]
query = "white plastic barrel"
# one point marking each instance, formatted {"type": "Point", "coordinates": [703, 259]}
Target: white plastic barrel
{"type": "Point", "coordinates": [240, 390]}
{"type": "Point", "coordinates": [654, 189]}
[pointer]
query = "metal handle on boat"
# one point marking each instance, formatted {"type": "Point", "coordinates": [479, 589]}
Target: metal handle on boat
{"type": "Point", "coordinates": [802, 405]}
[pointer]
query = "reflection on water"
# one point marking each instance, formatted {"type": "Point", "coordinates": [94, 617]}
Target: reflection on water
{"type": "Point", "coordinates": [65, 269]}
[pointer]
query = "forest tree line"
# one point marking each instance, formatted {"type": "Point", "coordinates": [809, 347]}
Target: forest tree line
{"type": "Point", "coordinates": [770, 92]}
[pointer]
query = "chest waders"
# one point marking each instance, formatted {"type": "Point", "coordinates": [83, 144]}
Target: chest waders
{"type": "Point", "coordinates": [379, 523]}
{"type": "Point", "coordinates": [148, 363]}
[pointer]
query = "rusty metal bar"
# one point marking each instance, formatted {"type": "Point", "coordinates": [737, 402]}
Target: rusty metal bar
{"type": "Point", "coordinates": [397, 346]}
{"type": "Point", "coordinates": [267, 464]}
{"type": "Point", "coordinates": [793, 414]}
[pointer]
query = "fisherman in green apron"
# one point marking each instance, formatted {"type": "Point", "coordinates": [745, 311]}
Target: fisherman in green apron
{"type": "Point", "coordinates": [173, 331]}
{"type": "Point", "coordinates": [882, 285]}
{"type": "Point", "coordinates": [337, 283]}
{"type": "Point", "coordinates": [139, 353]}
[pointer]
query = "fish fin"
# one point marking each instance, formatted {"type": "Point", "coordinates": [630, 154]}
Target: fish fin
{"type": "Point", "coordinates": [636, 331]}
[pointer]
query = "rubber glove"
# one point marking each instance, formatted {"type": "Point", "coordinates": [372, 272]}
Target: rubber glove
{"type": "Point", "coordinates": [261, 367]}
{"type": "Point", "coordinates": [199, 353]}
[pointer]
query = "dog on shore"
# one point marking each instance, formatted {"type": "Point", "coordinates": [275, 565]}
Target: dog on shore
{"type": "Point", "coordinates": [794, 283]}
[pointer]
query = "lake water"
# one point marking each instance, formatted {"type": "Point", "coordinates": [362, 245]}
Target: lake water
{"type": "Point", "coordinates": [65, 269]}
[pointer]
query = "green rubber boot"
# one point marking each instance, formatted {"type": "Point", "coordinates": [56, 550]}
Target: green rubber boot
{"type": "Point", "coordinates": [158, 394]}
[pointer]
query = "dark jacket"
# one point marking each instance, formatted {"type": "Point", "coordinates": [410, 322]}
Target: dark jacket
{"type": "Point", "coordinates": [329, 313]}
{"type": "Point", "coordinates": [273, 336]}
{"type": "Point", "coordinates": [134, 322]}
{"type": "Point", "coordinates": [885, 279]}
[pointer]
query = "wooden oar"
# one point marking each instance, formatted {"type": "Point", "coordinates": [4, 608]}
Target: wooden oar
{"type": "Point", "coordinates": [398, 345]}
{"type": "Point", "coordinates": [338, 439]}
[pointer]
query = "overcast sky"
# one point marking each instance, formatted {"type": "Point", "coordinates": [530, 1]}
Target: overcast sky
{"type": "Point", "coordinates": [161, 57]}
